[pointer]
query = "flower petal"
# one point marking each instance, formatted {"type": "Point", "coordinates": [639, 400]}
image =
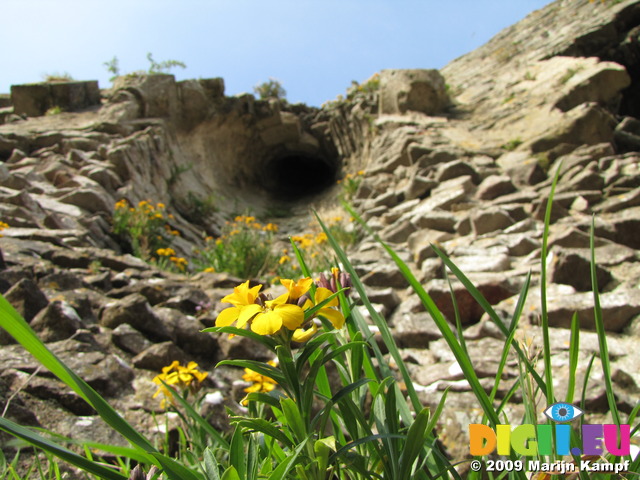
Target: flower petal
{"type": "Point", "coordinates": [322, 294]}
{"type": "Point", "coordinates": [334, 316]}
{"type": "Point", "coordinates": [292, 315]}
{"type": "Point", "coordinates": [247, 313]}
{"type": "Point", "coordinates": [266, 323]}
{"type": "Point", "coordinates": [227, 316]}
{"type": "Point", "coordinates": [302, 336]}
{"type": "Point", "coordinates": [242, 295]}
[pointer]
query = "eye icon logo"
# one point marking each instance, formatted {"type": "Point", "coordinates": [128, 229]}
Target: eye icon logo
{"type": "Point", "coordinates": [562, 412]}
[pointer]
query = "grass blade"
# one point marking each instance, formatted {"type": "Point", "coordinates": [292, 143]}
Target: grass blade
{"type": "Point", "coordinates": [602, 335]}
{"type": "Point", "coordinates": [18, 328]}
{"type": "Point", "coordinates": [574, 351]}
{"type": "Point", "coordinates": [546, 344]}
{"type": "Point", "coordinates": [59, 451]}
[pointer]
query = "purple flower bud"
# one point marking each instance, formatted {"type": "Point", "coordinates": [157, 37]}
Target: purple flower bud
{"type": "Point", "coordinates": [323, 282]}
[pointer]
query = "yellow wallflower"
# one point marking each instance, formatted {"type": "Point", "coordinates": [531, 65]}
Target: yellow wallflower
{"type": "Point", "coordinates": [321, 238]}
{"type": "Point", "coordinates": [265, 317]}
{"type": "Point", "coordinates": [121, 204]}
{"type": "Point", "coordinates": [166, 252]}
{"type": "Point", "coordinates": [179, 262]}
{"type": "Point", "coordinates": [284, 259]}
{"type": "Point", "coordinates": [178, 377]}
{"type": "Point", "coordinates": [261, 383]}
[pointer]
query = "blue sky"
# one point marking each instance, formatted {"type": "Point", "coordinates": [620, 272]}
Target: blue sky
{"type": "Point", "coordinates": [315, 48]}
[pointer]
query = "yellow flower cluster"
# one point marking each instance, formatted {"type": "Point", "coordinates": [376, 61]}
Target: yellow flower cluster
{"type": "Point", "coordinates": [241, 221]}
{"type": "Point", "coordinates": [284, 313]}
{"type": "Point", "coordinates": [179, 377]}
{"type": "Point", "coordinates": [3, 226]}
{"type": "Point", "coordinates": [179, 262]}
{"type": "Point", "coordinates": [351, 176]}
{"type": "Point", "coordinates": [261, 383]}
{"type": "Point", "coordinates": [166, 252]}
{"type": "Point", "coordinates": [309, 240]}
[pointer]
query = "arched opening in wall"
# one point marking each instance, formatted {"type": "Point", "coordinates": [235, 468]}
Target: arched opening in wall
{"type": "Point", "coordinates": [293, 176]}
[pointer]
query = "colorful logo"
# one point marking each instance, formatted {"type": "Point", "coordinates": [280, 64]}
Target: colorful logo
{"type": "Point", "coordinates": [547, 439]}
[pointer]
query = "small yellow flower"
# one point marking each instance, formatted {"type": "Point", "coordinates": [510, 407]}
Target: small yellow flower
{"type": "Point", "coordinates": [161, 206]}
{"type": "Point", "coordinates": [157, 215]}
{"type": "Point", "coordinates": [284, 259]}
{"type": "Point", "coordinates": [321, 238]}
{"type": "Point", "coordinates": [3, 226]}
{"type": "Point", "coordinates": [297, 289]}
{"type": "Point", "coordinates": [179, 377]}
{"type": "Point", "coordinates": [261, 383]}
{"type": "Point", "coordinates": [121, 204]}
{"type": "Point", "coordinates": [303, 336]}
{"type": "Point", "coordinates": [143, 203]}
{"type": "Point", "coordinates": [166, 252]}
{"type": "Point", "coordinates": [179, 262]}
{"type": "Point", "coordinates": [209, 270]}
{"type": "Point", "coordinates": [270, 227]}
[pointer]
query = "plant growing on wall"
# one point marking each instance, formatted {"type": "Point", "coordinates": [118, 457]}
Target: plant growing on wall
{"type": "Point", "coordinates": [272, 88]}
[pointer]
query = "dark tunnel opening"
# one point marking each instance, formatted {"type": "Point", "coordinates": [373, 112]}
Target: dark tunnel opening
{"type": "Point", "coordinates": [292, 176]}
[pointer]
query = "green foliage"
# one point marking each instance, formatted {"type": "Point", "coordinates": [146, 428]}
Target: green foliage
{"type": "Point", "coordinates": [200, 208]}
{"type": "Point", "coordinates": [145, 227]}
{"type": "Point", "coordinates": [57, 77]}
{"type": "Point", "coordinates": [512, 144]}
{"type": "Point", "coordinates": [370, 86]}
{"type": "Point", "coordinates": [54, 111]}
{"type": "Point", "coordinates": [113, 67]}
{"type": "Point", "coordinates": [243, 249]}
{"type": "Point", "coordinates": [272, 88]}
{"type": "Point", "coordinates": [350, 184]}
{"type": "Point", "coordinates": [155, 68]}
{"type": "Point", "coordinates": [164, 66]}
{"type": "Point", "coordinates": [569, 74]}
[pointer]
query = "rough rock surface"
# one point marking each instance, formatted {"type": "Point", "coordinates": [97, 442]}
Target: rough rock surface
{"type": "Point", "coordinates": [556, 93]}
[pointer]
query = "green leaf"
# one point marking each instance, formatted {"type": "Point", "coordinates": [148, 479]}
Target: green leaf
{"type": "Point", "coordinates": [230, 474]}
{"type": "Point", "coordinates": [414, 444]}
{"type": "Point", "coordinates": [544, 319]}
{"type": "Point", "coordinates": [236, 453]}
{"type": "Point", "coordinates": [294, 420]}
{"type": "Point", "coordinates": [602, 334]}
{"type": "Point", "coordinates": [197, 418]}
{"type": "Point", "coordinates": [574, 351]}
{"type": "Point", "coordinates": [323, 448]}
{"type": "Point", "coordinates": [265, 340]}
{"type": "Point", "coordinates": [261, 425]}
{"type": "Point", "coordinates": [258, 367]}
{"type": "Point", "coordinates": [16, 326]}
{"type": "Point", "coordinates": [59, 451]}
{"type": "Point", "coordinates": [210, 465]}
